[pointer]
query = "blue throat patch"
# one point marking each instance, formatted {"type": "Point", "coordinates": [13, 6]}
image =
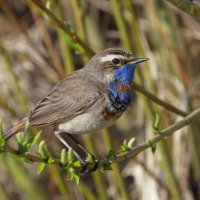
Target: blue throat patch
{"type": "Point", "coordinates": [123, 77]}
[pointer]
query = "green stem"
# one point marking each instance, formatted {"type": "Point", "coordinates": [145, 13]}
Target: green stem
{"type": "Point", "coordinates": [58, 23]}
{"type": "Point", "coordinates": [65, 49]}
{"type": "Point", "coordinates": [134, 29]}
{"type": "Point", "coordinates": [119, 18]}
{"type": "Point", "coordinates": [80, 23]}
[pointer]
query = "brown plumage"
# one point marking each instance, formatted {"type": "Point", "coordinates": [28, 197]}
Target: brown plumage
{"type": "Point", "coordinates": [66, 100]}
{"type": "Point", "coordinates": [75, 104]}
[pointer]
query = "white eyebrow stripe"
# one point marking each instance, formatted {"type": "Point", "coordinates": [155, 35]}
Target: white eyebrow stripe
{"type": "Point", "coordinates": [110, 57]}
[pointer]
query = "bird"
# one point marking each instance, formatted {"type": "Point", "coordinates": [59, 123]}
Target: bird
{"type": "Point", "coordinates": [87, 100]}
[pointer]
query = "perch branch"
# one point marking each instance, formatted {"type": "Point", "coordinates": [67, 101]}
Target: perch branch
{"type": "Point", "coordinates": [195, 115]}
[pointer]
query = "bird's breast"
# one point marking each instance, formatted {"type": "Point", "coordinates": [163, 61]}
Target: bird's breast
{"type": "Point", "coordinates": [121, 100]}
{"type": "Point", "coordinates": [84, 123]}
{"type": "Point", "coordinates": [114, 107]}
{"type": "Point", "coordinates": [109, 113]}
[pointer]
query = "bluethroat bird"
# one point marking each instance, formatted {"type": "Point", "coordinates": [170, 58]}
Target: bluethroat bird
{"type": "Point", "coordinates": [89, 99]}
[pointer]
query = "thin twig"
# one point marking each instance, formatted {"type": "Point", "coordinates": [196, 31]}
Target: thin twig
{"type": "Point", "coordinates": [195, 115]}
{"type": "Point", "coordinates": [158, 101]}
{"type": "Point", "coordinates": [54, 20]}
{"type": "Point", "coordinates": [30, 156]}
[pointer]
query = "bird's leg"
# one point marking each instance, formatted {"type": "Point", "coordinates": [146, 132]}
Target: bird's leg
{"type": "Point", "coordinates": [83, 161]}
{"type": "Point", "coordinates": [57, 134]}
{"type": "Point", "coordinates": [79, 145]}
{"type": "Point", "coordinates": [95, 161]}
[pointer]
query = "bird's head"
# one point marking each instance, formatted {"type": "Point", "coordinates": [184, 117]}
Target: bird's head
{"type": "Point", "coordinates": [115, 64]}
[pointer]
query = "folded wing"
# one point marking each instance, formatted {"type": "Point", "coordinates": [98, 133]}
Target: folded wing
{"type": "Point", "coordinates": [70, 97]}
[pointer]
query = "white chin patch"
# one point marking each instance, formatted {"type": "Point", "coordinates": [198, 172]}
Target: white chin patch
{"type": "Point", "coordinates": [110, 57]}
{"type": "Point", "coordinates": [109, 78]}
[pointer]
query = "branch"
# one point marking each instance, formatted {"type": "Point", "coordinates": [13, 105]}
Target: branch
{"type": "Point", "coordinates": [187, 6]}
{"type": "Point", "coordinates": [30, 156]}
{"type": "Point", "coordinates": [160, 102]}
{"type": "Point", "coordinates": [195, 115]}
{"type": "Point", "coordinates": [160, 136]}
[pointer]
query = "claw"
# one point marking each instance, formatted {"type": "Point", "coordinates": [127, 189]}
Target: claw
{"type": "Point", "coordinates": [87, 167]}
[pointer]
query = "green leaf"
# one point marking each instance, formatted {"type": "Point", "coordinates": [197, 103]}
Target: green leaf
{"type": "Point", "coordinates": [70, 155]}
{"type": "Point", "coordinates": [34, 139]}
{"type": "Point", "coordinates": [75, 46]}
{"type": "Point", "coordinates": [152, 145]}
{"type": "Point", "coordinates": [157, 122]}
{"type": "Point", "coordinates": [106, 166]}
{"type": "Point", "coordinates": [76, 177]}
{"type": "Point", "coordinates": [69, 27]}
{"type": "Point", "coordinates": [40, 167]}
{"type": "Point", "coordinates": [111, 155]}
{"type": "Point", "coordinates": [23, 140]}
{"type": "Point", "coordinates": [2, 140]}
{"type": "Point", "coordinates": [43, 152]}
{"type": "Point", "coordinates": [78, 49]}
{"type": "Point", "coordinates": [110, 158]}
{"type": "Point", "coordinates": [70, 174]}
{"type": "Point", "coordinates": [73, 175]}
{"type": "Point", "coordinates": [21, 149]}
{"type": "Point", "coordinates": [124, 147]}
{"type": "Point", "coordinates": [130, 143]}
{"type": "Point", "coordinates": [19, 138]}
{"type": "Point", "coordinates": [27, 126]}
{"type": "Point", "coordinates": [49, 4]}
{"type": "Point", "coordinates": [91, 161]}
{"type": "Point", "coordinates": [77, 163]}
{"type": "Point", "coordinates": [26, 133]}
{"type": "Point", "coordinates": [63, 158]}
{"type": "Point", "coordinates": [50, 160]}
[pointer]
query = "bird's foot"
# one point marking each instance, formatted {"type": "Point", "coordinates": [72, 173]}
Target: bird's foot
{"type": "Point", "coordinates": [90, 164]}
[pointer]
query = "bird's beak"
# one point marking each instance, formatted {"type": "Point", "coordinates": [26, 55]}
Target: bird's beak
{"type": "Point", "coordinates": [137, 60]}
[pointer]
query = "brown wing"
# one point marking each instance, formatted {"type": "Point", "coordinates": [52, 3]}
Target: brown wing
{"type": "Point", "coordinates": [70, 97]}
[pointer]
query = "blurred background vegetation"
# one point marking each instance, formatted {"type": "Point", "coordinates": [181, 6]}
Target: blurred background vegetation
{"type": "Point", "coordinates": [35, 53]}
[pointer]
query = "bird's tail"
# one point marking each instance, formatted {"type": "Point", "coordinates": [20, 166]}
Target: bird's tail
{"type": "Point", "coordinates": [19, 127]}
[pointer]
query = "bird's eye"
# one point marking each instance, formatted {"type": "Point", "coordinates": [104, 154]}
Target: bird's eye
{"type": "Point", "coordinates": [116, 61]}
